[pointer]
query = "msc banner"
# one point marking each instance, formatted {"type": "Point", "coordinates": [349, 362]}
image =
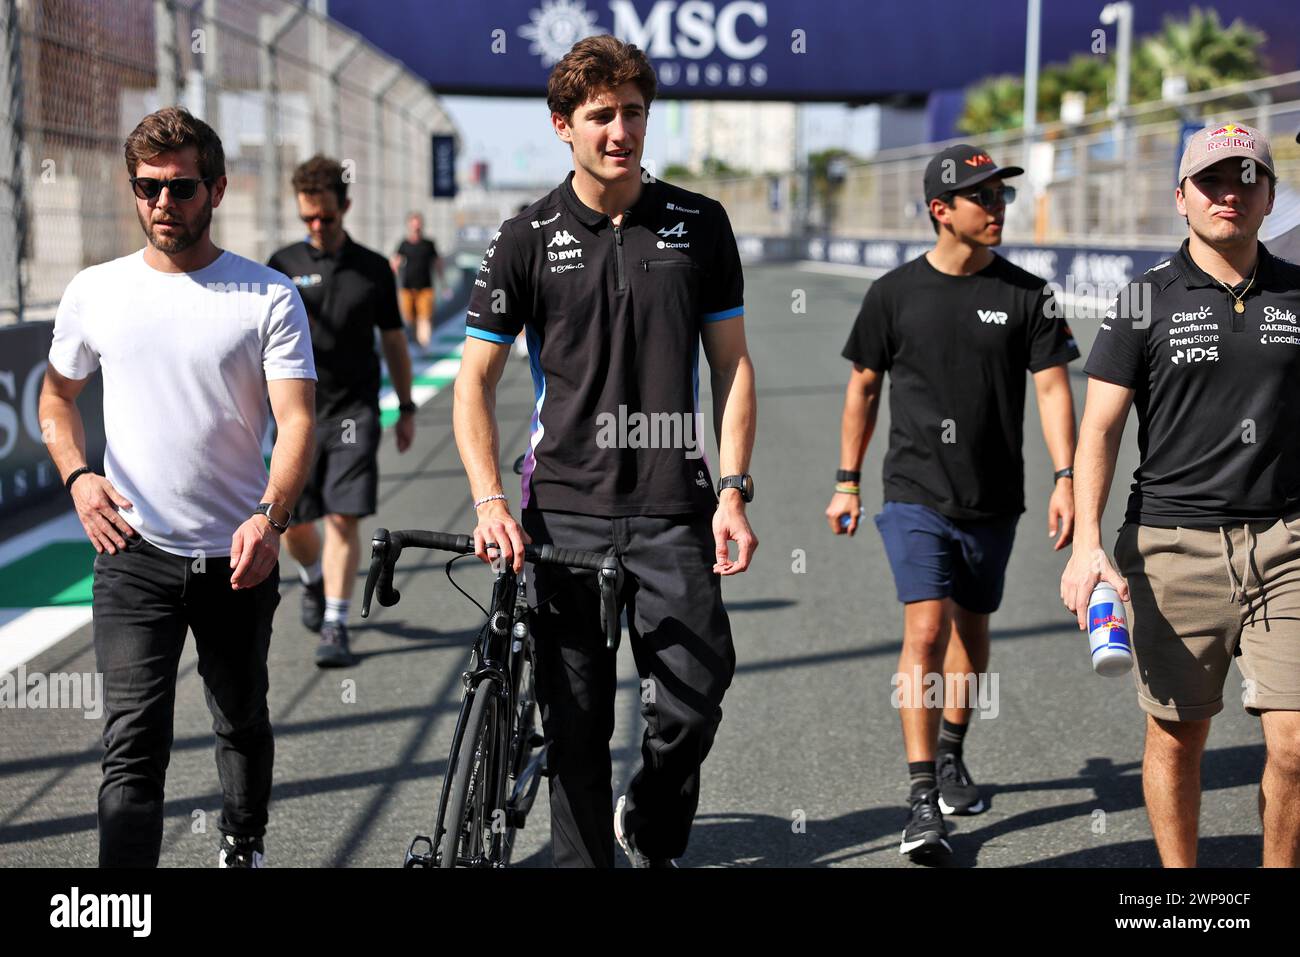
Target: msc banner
{"type": "Point", "coordinates": [27, 476]}
{"type": "Point", "coordinates": [749, 49]}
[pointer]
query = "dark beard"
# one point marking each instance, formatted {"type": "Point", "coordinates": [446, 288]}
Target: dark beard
{"type": "Point", "coordinates": [187, 237]}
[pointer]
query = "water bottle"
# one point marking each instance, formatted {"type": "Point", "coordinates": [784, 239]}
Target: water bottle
{"type": "Point", "coordinates": [1108, 632]}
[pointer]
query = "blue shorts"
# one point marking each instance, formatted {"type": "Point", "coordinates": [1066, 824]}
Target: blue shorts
{"type": "Point", "coordinates": [933, 556]}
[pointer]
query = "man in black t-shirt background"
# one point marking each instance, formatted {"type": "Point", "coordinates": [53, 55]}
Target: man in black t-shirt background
{"type": "Point", "coordinates": [415, 261]}
{"type": "Point", "coordinates": [617, 279]}
{"type": "Point", "coordinates": [1206, 347]}
{"type": "Point", "coordinates": [349, 293]}
{"type": "Point", "coordinates": [956, 329]}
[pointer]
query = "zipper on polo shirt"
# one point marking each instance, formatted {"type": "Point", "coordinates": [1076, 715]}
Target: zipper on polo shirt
{"type": "Point", "coordinates": [647, 263]}
{"type": "Point", "coordinates": [619, 281]}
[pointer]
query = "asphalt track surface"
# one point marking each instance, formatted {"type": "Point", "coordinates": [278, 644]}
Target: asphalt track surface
{"type": "Point", "coordinates": [808, 767]}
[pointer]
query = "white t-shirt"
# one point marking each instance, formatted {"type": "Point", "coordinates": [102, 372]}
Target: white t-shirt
{"type": "Point", "coordinates": [186, 359]}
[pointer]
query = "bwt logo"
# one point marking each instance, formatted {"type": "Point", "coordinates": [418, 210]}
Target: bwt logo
{"type": "Point", "coordinates": [564, 254]}
{"type": "Point", "coordinates": [562, 238]}
{"type": "Point", "coordinates": [991, 315]}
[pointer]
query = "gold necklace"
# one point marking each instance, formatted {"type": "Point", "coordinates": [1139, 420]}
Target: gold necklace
{"type": "Point", "coordinates": [1239, 306]}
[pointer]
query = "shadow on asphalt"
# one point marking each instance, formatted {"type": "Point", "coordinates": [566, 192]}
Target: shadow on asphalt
{"type": "Point", "coordinates": [756, 840]}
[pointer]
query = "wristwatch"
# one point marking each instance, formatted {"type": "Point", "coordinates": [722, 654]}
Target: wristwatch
{"type": "Point", "coordinates": [407, 408]}
{"type": "Point", "coordinates": [743, 482]}
{"type": "Point", "coordinates": [1062, 473]}
{"type": "Point", "coordinates": [265, 509]}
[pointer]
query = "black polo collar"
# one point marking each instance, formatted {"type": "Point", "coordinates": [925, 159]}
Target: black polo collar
{"type": "Point", "coordinates": [1194, 277]}
{"type": "Point", "coordinates": [319, 254]}
{"type": "Point", "coordinates": [590, 217]}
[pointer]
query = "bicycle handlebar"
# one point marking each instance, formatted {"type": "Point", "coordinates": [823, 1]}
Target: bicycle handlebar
{"type": "Point", "coordinates": [386, 547]}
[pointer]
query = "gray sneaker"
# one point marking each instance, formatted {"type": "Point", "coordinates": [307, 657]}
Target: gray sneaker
{"type": "Point", "coordinates": [333, 651]}
{"type": "Point", "coordinates": [313, 605]}
{"type": "Point", "coordinates": [635, 857]}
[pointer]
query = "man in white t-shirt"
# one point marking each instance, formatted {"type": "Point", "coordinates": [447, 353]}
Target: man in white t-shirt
{"type": "Point", "coordinates": [186, 521]}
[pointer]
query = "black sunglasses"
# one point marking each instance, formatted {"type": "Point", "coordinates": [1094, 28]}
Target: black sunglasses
{"type": "Point", "coordinates": [324, 220]}
{"type": "Point", "coordinates": [989, 197]}
{"type": "Point", "coordinates": [181, 189]}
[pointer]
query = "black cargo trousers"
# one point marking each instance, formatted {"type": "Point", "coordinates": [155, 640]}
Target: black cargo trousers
{"type": "Point", "coordinates": [145, 600]}
{"type": "Point", "coordinates": [681, 641]}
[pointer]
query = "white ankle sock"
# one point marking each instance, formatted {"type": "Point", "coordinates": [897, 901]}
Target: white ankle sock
{"type": "Point", "coordinates": [336, 609]}
{"type": "Point", "coordinates": [309, 574]}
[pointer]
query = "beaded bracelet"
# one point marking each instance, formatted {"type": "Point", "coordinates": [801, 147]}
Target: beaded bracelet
{"type": "Point", "coordinates": [490, 498]}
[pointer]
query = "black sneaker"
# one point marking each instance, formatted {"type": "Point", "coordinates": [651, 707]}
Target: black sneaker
{"type": "Point", "coordinates": [925, 835]}
{"type": "Point", "coordinates": [635, 857]}
{"type": "Point", "coordinates": [241, 852]}
{"type": "Point", "coordinates": [313, 605]}
{"type": "Point", "coordinates": [333, 651]}
{"type": "Point", "coordinates": [958, 794]}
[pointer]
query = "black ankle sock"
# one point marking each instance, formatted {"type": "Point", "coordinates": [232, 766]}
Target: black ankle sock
{"type": "Point", "coordinates": [951, 736]}
{"type": "Point", "coordinates": [922, 776]}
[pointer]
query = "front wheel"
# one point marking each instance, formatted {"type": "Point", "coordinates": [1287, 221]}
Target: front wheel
{"type": "Point", "coordinates": [471, 817]}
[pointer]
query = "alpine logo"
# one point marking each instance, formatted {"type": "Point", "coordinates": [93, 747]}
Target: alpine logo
{"type": "Point", "coordinates": [992, 315]}
{"type": "Point", "coordinates": [678, 230]}
{"type": "Point", "coordinates": [562, 238]}
{"type": "Point", "coordinates": [1196, 355]}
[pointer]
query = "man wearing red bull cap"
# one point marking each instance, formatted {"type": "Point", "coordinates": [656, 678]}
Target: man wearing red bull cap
{"type": "Point", "coordinates": [1208, 559]}
{"type": "Point", "coordinates": [956, 329]}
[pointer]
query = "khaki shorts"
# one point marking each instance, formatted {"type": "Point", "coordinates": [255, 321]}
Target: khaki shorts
{"type": "Point", "coordinates": [1199, 598]}
{"type": "Point", "coordinates": [415, 303]}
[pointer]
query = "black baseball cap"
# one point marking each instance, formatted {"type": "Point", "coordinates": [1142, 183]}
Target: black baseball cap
{"type": "Point", "coordinates": [959, 167]}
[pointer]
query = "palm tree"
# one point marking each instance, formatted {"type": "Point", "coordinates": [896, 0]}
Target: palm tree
{"type": "Point", "coordinates": [1201, 49]}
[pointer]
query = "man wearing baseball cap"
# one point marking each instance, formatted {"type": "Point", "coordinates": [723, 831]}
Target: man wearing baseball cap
{"type": "Point", "coordinates": [1208, 558]}
{"type": "Point", "coordinates": [956, 329]}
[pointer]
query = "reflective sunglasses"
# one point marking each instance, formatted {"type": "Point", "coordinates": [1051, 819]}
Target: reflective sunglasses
{"type": "Point", "coordinates": [181, 189]}
{"type": "Point", "coordinates": [324, 220]}
{"type": "Point", "coordinates": [989, 197]}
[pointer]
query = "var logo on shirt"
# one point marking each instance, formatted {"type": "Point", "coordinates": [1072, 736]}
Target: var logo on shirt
{"type": "Point", "coordinates": [992, 315]}
{"type": "Point", "coordinates": [562, 238]}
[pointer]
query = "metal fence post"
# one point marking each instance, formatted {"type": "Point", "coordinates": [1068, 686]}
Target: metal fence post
{"type": "Point", "coordinates": [390, 80]}
{"type": "Point", "coordinates": [164, 29]}
{"type": "Point", "coordinates": [271, 28]}
{"type": "Point", "coordinates": [332, 115]}
{"type": "Point", "coordinates": [13, 213]}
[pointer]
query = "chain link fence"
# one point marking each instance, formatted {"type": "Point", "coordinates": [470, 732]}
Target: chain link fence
{"type": "Point", "coordinates": [1108, 180]}
{"type": "Point", "coordinates": [276, 79]}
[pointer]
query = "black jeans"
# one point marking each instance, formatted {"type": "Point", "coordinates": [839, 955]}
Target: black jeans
{"type": "Point", "coordinates": [144, 601]}
{"type": "Point", "coordinates": [681, 640]}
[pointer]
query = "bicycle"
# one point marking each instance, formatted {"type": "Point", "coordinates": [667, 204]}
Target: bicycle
{"type": "Point", "coordinates": [496, 740]}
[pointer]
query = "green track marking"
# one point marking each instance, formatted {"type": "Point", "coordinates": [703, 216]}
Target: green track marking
{"type": "Point", "coordinates": [57, 574]}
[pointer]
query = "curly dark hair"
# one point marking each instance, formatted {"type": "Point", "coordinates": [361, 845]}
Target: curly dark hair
{"type": "Point", "coordinates": [596, 64]}
{"type": "Point", "coordinates": [320, 174]}
{"type": "Point", "coordinates": [174, 128]}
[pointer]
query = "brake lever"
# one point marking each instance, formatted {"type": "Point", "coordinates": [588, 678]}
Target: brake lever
{"type": "Point", "coordinates": [378, 556]}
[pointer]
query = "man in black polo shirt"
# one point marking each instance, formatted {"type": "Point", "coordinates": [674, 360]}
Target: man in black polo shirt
{"type": "Point", "coordinates": [415, 261]}
{"type": "Point", "coordinates": [616, 279]}
{"type": "Point", "coordinates": [1208, 345]}
{"type": "Point", "coordinates": [349, 293]}
{"type": "Point", "coordinates": [956, 329]}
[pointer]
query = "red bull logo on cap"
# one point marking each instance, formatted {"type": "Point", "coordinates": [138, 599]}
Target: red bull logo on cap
{"type": "Point", "coordinates": [1229, 136]}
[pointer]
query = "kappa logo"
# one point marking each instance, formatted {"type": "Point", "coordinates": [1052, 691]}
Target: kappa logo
{"type": "Point", "coordinates": [562, 238]}
{"type": "Point", "coordinates": [992, 315]}
{"type": "Point", "coordinates": [679, 231]}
